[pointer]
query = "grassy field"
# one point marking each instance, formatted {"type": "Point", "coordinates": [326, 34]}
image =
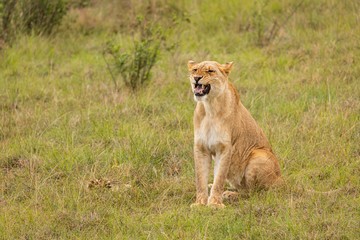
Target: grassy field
{"type": "Point", "coordinates": [80, 159]}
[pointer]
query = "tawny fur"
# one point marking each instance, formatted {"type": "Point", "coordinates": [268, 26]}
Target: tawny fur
{"type": "Point", "coordinates": [225, 131]}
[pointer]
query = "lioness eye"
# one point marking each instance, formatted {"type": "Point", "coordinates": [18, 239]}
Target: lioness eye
{"type": "Point", "coordinates": [210, 71]}
{"type": "Point", "coordinates": [195, 69]}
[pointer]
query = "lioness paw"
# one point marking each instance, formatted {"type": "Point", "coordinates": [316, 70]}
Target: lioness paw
{"type": "Point", "coordinates": [230, 196]}
{"type": "Point", "coordinates": [200, 201]}
{"type": "Point", "coordinates": [216, 205]}
{"type": "Point", "coordinates": [196, 205]}
{"type": "Point", "coordinates": [215, 202]}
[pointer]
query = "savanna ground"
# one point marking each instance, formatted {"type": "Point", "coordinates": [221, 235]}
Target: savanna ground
{"type": "Point", "coordinates": [65, 125]}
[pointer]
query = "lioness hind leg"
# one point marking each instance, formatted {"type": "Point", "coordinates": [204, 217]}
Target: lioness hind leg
{"type": "Point", "coordinates": [262, 171]}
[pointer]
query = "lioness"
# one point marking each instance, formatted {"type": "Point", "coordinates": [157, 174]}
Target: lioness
{"type": "Point", "coordinates": [225, 131]}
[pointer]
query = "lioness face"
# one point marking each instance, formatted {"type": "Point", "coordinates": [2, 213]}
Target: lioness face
{"type": "Point", "coordinates": [208, 79]}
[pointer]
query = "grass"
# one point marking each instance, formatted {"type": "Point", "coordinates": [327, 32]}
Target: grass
{"type": "Point", "coordinates": [63, 124]}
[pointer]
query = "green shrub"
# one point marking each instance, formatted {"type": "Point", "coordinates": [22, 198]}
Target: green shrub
{"type": "Point", "coordinates": [134, 66]}
{"type": "Point", "coordinates": [30, 16]}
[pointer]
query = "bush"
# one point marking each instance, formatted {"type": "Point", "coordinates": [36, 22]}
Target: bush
{"type": "Point", "coordinates": [134, 66]}
{"type": "Point", "coordinates": [30, 16]}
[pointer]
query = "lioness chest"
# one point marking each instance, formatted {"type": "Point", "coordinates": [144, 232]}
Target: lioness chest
{"type": "Point", "coordinates": [211, 133]}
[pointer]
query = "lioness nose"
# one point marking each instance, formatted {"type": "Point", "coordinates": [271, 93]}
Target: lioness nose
{"type": "Point", "coordinates": [197, 78]}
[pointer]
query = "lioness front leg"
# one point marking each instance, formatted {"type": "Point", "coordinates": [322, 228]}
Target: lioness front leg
{"type": "Point", "coordinates": [202, 159]}
{"type": "Point", "coordinates": [222, 164]}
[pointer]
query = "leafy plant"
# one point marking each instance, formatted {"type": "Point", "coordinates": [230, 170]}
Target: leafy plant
{"type": "Point", "coordinates": [30, 16]}
{"type": "Point", "coordinates": [134, 66]}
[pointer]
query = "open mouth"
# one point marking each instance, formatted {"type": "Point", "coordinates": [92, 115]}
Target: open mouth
{"type": "Point", "coordinates": [201, 89]}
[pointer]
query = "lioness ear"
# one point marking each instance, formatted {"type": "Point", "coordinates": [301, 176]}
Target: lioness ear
{"type": "Point", "coordinates": [227, 67]}
{"type": "Point", "coordinates": [191, 63]}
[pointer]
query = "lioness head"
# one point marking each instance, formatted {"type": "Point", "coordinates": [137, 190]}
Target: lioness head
{"type": "Point", "coordinates": [208, 79]}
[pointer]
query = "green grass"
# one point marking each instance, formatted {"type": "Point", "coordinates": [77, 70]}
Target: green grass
{"type": "Point", "coordinates": [63, 124]}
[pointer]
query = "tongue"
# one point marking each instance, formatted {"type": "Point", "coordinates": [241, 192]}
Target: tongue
{"type": "Point", "coordinates": [199, 89]}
